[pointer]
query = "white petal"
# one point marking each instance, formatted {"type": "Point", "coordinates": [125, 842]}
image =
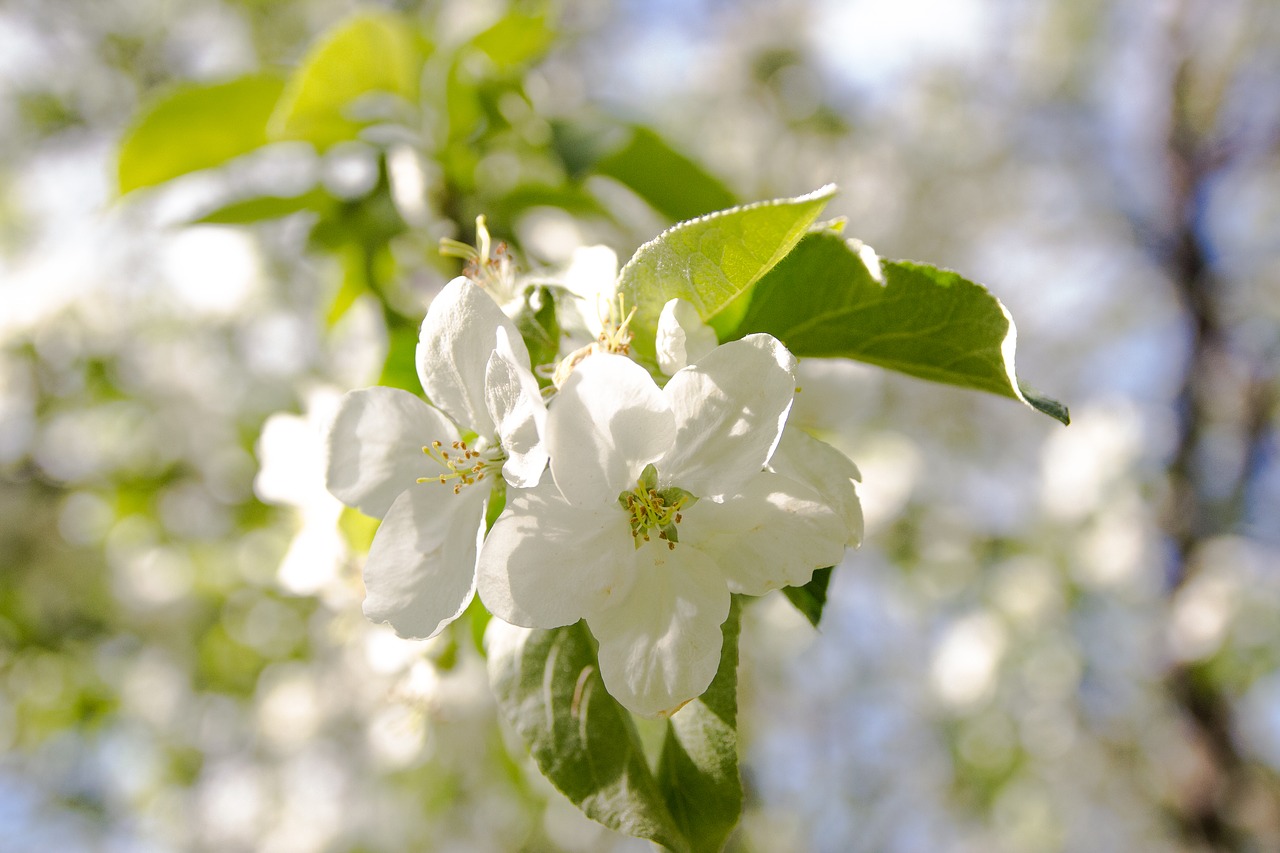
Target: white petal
{"type": "Point", "coordinates": [591, 279]}
{"type": "Point", "coordinates": [824, 469]}
{"type": "Point", "coordinates": [421, 570]}
{"type": "Point", "coordinates": [682, 337]}
{"type": "Point", "coordinates": [608, 422]}
{"type": "Point", "coordinates": [515, 403]}
{"type": "Point", "coordinates": [457, 337]}
{"type": "Point", "coordinates": [660, 645]}
{"type": "Point", "coordinates": [729, 410]}
{"type": "Point", "coordinates": [547, 563]}
{"type": "Point", "coordinates": [374, 445]}
{"type": "Point", "coordinates": [773, 533]}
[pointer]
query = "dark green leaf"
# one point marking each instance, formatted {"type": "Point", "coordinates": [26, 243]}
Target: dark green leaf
{"type": "Point", "coordinates": [549, 689]}
{"type": "Point", "coordinates": [196, 127]}
{"type": "Point", "coordinates": [670, 182]}
{"type": "Point", "coordinates": [811, 598]}
{"type": "Point", "coordinates": [711, 261]}
{"type": "Point", "coordinates": [698, 770]}
{"type": "Point", "coordinates": [823, 301]}
{"type": "Point", "coordinates": [370, 52]}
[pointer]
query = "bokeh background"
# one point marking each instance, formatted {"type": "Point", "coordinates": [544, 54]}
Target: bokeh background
{"type": "Point", "coordinates": [1052, 639]}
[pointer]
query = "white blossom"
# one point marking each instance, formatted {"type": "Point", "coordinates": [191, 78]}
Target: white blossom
{"type": "Point", "coordinates": [682, 338]}
{"type": "Point", "coordinates": [428, 470]}
{"type": "Point", "coordinates": [659, 509]}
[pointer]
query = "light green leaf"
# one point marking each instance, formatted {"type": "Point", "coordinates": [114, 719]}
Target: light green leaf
{"type": "Point", "coordinates": [540, 328]}
{"type": "Point", "coordinates": [196, 127]}
{"type": "Point", "coordinates": [262, 208]}
{"type": "Point", "coordinates": [698, 770]}
{"type": "Point", "coordinates": [516, 40]}
{"type": "Point", "coordinates": [711, 261]}
{"type": "Point", "coordinates": [370, 52]}
{"type": "Point", "coordinates": [549, 688]}
{"type": "Point", "coordinates": [823, 301]}
{"type": "Point", "coordinates": [670, 182]}
{"type": "Point", "coordinates": [811, 598]}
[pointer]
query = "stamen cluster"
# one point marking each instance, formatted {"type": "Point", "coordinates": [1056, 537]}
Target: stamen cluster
{"type": "Point", "coordinates": [465, 465]}
{"type": "Point", "coordinates": [652, 508]}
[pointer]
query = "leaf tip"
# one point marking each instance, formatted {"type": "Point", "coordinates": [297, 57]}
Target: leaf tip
{"type": "Point", "coordinates": [1058, 411]}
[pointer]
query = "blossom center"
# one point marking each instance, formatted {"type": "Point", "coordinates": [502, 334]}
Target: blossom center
{"type": "Point", "coordinates": [463, 465]}
{"type": "Point", "coordinates": [657, 509]}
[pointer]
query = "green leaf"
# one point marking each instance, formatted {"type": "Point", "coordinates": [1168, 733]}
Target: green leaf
{"type": "Point", "coordinates": [516, 40]}
{"type": "Point", "coordinates": [262, 208]}
{"type": "Point", "coordinates": [370, 52]}
{"type": "Point", "coordinates": [711, 261]}
{"type": "Point", "coordinates": [196, 127]}
{"type": "Point", "coordinates": [400, 370]}
{"type": "Point", "coordinates": [540, 329]}
{"type": "Point", "coordinates": [811, 598]}
{"type": "Point", "coordinates": [823, 301]}
{"type": "Point", "coordinates": [698, 769]}
{"type": "Point", "coordinates": [549, 689]}
{"type": "Point", "coordinates": [670, 182]}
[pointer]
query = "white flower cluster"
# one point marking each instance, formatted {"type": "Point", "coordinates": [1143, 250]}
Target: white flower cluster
{"type": "Point", "coordinates": [659, 503]}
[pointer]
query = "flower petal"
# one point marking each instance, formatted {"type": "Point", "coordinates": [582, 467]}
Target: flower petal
{"type": "Point", "coordinates": [660, 645]}
{"type": "Point", "coordinates": [608, 422]}
{"type": "Point", "coordinates": [682, 337]}
{"type": "Point", "coordinates": [729, 410]}
{"type": "Point", "coordinates": [591, 279]}
{"type": "Point", "coordinates": [373, 447]}
{"type": "Point", "coordinates": [457, 336]}
{"type": "Point", "coordinates": [773, 533]}
{"type": "Point", "coordinates": [515, 403]}
{"type": "Point", "coordinates": [421, 570]}
{"type": "Point", "coordinates": [824, 469]}
{"type": "Point", "coordinates": [547, 563]}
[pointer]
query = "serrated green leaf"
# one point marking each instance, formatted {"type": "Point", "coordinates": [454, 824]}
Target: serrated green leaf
{"type": "Point", "coordinates": [262, 208]}
{"type": "Point", "coordinates": [549, 689]}
{"type": "Point", "coordinates": [516, 40]}
{"type": "Point", "coordinates": [698, 769]}
{"type": "Point", "coordinates": [711, 261]}
{"type": "Point", "coordinates": [670, 182]}
{"type": "Point", "coordinates": [370, 52]}
{"type": "Point", "coordinates": [823, 301]}
{"type": "Point", "coordinates": [811, 598]}
{"type": "Point", "coordinates": [196, 127]}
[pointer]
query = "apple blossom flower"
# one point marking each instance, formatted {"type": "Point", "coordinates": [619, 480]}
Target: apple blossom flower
{"type": "Point", "coordinates": [659, 510]}
{"type": "Point", "coordinates": [427, 470]}
{"type": "Point", "coordinates": [682, 338]}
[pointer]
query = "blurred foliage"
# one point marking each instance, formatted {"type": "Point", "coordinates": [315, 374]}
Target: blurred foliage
{"type": "Point", "coordinates": [1053, 639]}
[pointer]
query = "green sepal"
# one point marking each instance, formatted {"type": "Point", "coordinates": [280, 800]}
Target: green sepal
{"type": "Point", "coordinates": [676, 496]}
{"type": "Point", "coordinates": [648, 477]}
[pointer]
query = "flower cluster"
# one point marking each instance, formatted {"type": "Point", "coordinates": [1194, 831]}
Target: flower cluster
{"type": "Point", "coordinates": [637, 507]}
